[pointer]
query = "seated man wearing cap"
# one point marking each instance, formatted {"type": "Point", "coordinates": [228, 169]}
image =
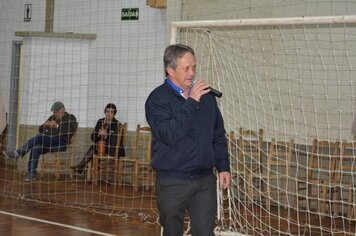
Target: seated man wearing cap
{"type": "Point", "coordinates": [54, 136]}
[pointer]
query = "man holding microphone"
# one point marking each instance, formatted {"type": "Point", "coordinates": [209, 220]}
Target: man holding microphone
{"type": "Point", "coordinates": [188, 142]}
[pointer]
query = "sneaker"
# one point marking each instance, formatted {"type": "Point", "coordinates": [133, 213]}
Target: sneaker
{"type": "Point", "coordinates": [30, 177]}
{"type": "Point", "coordinates": [12, 155]}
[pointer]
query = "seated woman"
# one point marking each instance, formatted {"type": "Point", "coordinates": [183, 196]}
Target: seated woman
{"type": "Point", "coordinates": [106, 129]}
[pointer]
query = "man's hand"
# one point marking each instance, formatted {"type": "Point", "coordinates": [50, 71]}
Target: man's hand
{"type": "Point", "coordinates": [225, 179]}
{"type": "Point", "coordinates": [51, 124]}
{"type": "Point", "coordinates": [199, 89]}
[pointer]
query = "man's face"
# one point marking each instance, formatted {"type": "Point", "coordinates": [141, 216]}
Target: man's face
{"type": "Point", "coordinates": [184, 73]}
{"type": "Point", "coordinates": [109, 113]}
{"type": "Point", "coordinates": [59, 114]}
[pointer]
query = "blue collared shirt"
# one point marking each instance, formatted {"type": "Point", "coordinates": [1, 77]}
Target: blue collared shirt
{"type": "Point", "coordinates": [176, 88]}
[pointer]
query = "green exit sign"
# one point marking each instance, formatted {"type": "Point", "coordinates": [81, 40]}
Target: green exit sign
{"type": "Point", "coordinates": [129, 13]}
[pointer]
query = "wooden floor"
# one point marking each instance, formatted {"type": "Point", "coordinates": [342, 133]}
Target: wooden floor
{"type": "Point", "coordinates": [48, 207]}
{"type": "Point", "coordinates": [20, 217]}
{"type": "Point", "coordinates": [76, 207]}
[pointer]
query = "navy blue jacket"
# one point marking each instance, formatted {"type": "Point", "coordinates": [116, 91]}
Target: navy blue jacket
{"type": "Point", "coordinates": [188, 138]}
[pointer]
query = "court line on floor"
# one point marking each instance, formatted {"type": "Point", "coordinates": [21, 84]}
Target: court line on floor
{"type": "Point", "coordinates": [57, 224]}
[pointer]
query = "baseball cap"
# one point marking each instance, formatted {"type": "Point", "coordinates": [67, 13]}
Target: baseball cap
{"type": "Point", "coordinates": [57, 106]}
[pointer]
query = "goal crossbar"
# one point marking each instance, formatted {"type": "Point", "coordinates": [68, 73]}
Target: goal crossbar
{"type": "Point", "coordinates": [260, 22]}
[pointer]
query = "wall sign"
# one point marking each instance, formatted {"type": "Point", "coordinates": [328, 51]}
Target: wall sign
{"type": "Point", "coordinates": [129, 13]}
{"type": "Point", "coordinates": [28, 13]}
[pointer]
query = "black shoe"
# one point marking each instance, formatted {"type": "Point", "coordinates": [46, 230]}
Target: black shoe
{"type": "Point", "coordinates": [76, 170]}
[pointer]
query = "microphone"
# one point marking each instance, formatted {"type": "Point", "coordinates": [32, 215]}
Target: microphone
{"type": "Point", "coordinates": [215, 92]}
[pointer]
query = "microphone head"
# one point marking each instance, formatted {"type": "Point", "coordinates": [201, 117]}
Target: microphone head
{"type": "Point", "coordinates": [215, 92]}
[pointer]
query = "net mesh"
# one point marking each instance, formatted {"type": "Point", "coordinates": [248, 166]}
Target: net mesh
{"type": "Point", "coordinates": [85, 56]}
{"type": "Point", "coordinates": [288, 104]}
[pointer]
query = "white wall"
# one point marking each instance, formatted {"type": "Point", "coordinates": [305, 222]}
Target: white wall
{"type": "Point", "coordinates": [122, 65]}
{"type": "Point", "coordinates": [11, 20]}
{"type": "Point", "coordinates": [53, 69]}
{"type": "Point", "coordinates": [125, 61]}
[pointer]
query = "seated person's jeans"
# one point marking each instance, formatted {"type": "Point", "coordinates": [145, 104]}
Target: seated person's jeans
{"type": "Point", "coordinates": [41, 144]}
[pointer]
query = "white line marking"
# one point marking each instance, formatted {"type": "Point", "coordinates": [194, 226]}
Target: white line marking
{"type": "Point", "coordinates": [55, 223]}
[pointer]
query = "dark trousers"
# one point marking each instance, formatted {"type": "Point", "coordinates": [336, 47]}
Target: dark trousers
{"type": "Point", "coordinates": [86, 159]}
{"type": "Point", "coordinates": [40, 144]}
{"type": "Point", "coordinates": [198, 196]}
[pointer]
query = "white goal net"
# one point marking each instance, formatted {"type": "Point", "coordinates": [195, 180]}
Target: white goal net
{"type": "Point", "coordinates": [288, 103]}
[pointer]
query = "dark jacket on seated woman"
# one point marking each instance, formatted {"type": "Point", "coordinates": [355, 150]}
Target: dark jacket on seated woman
{"type": "Point", "coordinates": [106, 129]}
{"type": "Point", "coordinates": [110, 139]}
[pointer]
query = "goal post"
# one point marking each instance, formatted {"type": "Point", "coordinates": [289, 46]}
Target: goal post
{"type": "Point", "coordinates": [294, 79]}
